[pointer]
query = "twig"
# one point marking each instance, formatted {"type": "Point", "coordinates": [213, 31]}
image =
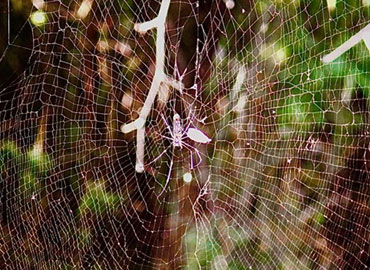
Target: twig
{"type": "Point", "coordinates": [364, 34]}
{"type": "Point", "coordinates": [159, 77]}
{"type": "Point", "coordinates": [239, 81]}
{"type": "Point", "coordinates": [140, 137]}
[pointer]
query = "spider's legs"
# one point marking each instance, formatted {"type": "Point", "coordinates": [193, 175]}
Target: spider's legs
{"type": "Point", "coordinates": [168, 178]}
{"type": "Point", "coordinates": [190, 118]}
{"type": "Point", "coordinates": [186, 128]}
{"type": "Point", "coordinates": [190, 148]}
{"type": "Point", "coordinates": [161, 154]}
{"type": "Point", "coordinates": [167, 125]}
{"type": "Point", "coordinates": [168, 138]}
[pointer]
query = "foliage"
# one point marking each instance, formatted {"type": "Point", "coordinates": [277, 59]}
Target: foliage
{"type": "Point", "coordinates": [282, 184]}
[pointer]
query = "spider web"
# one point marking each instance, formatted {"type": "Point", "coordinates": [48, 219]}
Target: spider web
{"type": "Point", "coordinates": [89, 181]}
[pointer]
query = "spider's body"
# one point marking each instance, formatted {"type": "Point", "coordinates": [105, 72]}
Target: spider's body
{"type": "Point", "coordinates": [178, 135]}
{"type": "Point", "coordinates": [177, 131]}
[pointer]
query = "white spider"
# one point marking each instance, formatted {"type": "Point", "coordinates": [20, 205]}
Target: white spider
{"type": "Point", "coordinates": [178, 134]}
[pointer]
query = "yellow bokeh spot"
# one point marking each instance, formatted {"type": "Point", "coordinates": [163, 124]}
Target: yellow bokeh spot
{"type": "Point", "coordinates": [38, 18]}
{"type": "Point", "coordinates": [280, 56]}
{"type": "Point", "coordinates": [275, 53]}
{"type": "Point", "coordinates": [331, 4]}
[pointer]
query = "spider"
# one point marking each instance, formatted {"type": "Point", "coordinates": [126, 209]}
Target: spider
{"type": "Point", "coordinates": [178, 135]}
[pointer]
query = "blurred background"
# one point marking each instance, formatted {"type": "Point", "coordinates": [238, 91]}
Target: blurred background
{"type": "Point", "coordinates": [282, 184]}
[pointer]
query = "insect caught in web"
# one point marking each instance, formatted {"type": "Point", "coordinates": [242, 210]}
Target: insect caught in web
{"type": "Point", "coordinates": [178, 136]}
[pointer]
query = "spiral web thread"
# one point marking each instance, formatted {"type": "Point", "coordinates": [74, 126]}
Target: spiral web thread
{"type": "Point", "coordinates": [88, 180]}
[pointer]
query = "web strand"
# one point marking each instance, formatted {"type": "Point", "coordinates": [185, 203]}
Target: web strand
{"type": "Point", "coordinates": [184, 134]}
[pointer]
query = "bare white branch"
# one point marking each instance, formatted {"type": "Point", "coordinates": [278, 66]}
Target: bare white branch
{"type": "Point", "coordinates": [142, 28]}
{"type": "Point", "coordinates": [159, 77]}
{"type": "Point", "coordinates": [364, 34]}
{"type": "Point", "coordinates": [139, 167]}
{"type": "Point", "coordinates": [367, 39]}
{"type": "Point", "coordinates": [138, 123]}
{"type": "Point", "coordinates": [239, 81]}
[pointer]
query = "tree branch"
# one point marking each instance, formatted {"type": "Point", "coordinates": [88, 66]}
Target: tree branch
{"type": "Point", "coordinates": [159, 77]}
{"type": "Point", "coordinates": [362, 35]}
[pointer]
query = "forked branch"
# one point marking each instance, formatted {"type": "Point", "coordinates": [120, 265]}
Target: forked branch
{"type": "Point", "coordinates": [159, 78]}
